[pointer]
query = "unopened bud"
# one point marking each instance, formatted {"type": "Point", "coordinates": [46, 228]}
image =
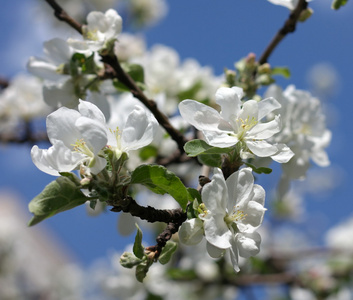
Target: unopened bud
{"type": "Point", "coordinates": [264, 69]}
{"type": "Point", "coordinates": [305, 14]}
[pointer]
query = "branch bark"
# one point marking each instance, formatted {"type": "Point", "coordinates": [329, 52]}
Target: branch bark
{"type": "Point", "coordinates": [288, 27]}
{"type": "Point", "coordinates": [62, 15]}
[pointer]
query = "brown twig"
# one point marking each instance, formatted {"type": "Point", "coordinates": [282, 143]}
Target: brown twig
{"type": "Point", "coordinates": [150, 214]}
{"type": "Point", "coordinates": [122, 76]}
{"type": "Point", "coordinates": [61, 14]}
{"type": "Point", "coordinates": [162, 119]}
{"type": "Point", "coordinates": [288, 27]}
{"type": "Point", "coordinates": [4, 83]}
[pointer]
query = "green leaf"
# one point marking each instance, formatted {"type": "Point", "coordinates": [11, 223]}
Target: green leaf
{"type": "Point", "coordinates": [336, 4]}
{"type": "Point", "coordinates": [284, 71]}
{"type": "Point", "coordinates": [167, 252]}
{"type": "Point", "coordinates": [148, 152]}
{"type": "Point", "coordinates": [161, 181]}
{"type": "Point", "coordinates": [142, 269]}
{"type": "Point", "coordinates": [136, 72]}
{"type": "Point", "coordinates": [59, 195]}
{"type": "Point", "coordinates": [261, 170]}
{"type": "Point", "coordinates": [197, 147]}
{"type": "Point", "coordinates": [128, 260]}
{"type": "Point", "coordinates": [138, 248]}
{"type": "Point", "coordinates": [212, 160]}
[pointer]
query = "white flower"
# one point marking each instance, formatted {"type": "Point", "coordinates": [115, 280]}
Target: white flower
{"type": "Point", "coordinates": [138, 132]}
{"type": "Point", "coordinates": [77, 138]}
{"type": "Point", "coordinates": [237, 123]}
{"type": "Point", "coordinates": [101, 28]}
{"type": "Point", "coordinates": [234, 209]}
{"type": "Point", "coordinates": [304, 129]}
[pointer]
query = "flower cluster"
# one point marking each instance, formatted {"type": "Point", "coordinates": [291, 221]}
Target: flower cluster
{"type": "Point", "coordinates": [231, 212]}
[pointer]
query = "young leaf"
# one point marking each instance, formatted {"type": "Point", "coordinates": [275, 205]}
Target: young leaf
{"type": "Point", "coordinates": [197, 147]}
{"type": "Point", "coordinates": [128, 260]}
{"type": "Point", "coordinates": [212, 160]}
{"type": "Point", "coordinates": [160, 181]}
{"type": "Point", "coordinates": [167, 252]}
{"type": "Point", "coordinates": [142, 269]}
{"type": "Point", "coordinates": [336, 4]}
{"type": "Point", "coordinates": [138, 248]}
{"type": "Point", "coordinates": [59, 195]}
{"type": "Point", "coordinates": [284, 71]}
{"type": "Point", "coordinates": [259, 170]}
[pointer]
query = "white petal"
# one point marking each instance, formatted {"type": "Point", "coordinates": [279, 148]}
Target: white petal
{"type": "Point", "coordinates": [261, 148]}
{"type": "Point", "coordinates": [60, 93]}
{"type": "Point", "coordinates": [58, 158]}
{"type": "Point", "coordinates": [58, 51]}
{"type": "Point", "coordinates": [191, 232]}
{"type": "Point", "coordinates": [93, 133]}
{"type": "Point", "coordinates": [234, 254]}
{"type": "Point", "coordinates": [213, 251]}
{"type": "Point", "coordinates": [42, 68]}
{"type": "Point", "coordinates": [230, 101]}
{"type": "Point", "coordinates": [249, 111]}
{"type": "Point", "coordinates": [283, 155]}
{"type": "Point", "coordinates": [264, 130]}
{"type": "Point", "coordinates": [203, 117]}
{"type": "Point", "coordinates": [240, 185]}
{"type": "Point", "coordinates": [139, 129]}
{"type": "Point", "coordinates": [61, 126]}
{"type": "Point", "coordinates": [91, 111]}
{"type": "Point", "coordinates": [248, 244]}
{"type": "Point", "coordinates": [266, 106]}
{"type": "Point", "coordinates": [220, 139]}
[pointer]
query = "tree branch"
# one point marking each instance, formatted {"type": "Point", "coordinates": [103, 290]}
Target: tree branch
{"type": "Point", "coordinates": [150, 214]}
{"type": "Point", "coordinates": [288, 27]}
{"type": "Point", "coordinates": [122, 76]}
{"type": "Point", "coordinates": [61, 14]}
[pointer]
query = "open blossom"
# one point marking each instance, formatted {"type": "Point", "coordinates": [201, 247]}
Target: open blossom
{"type": "Point", "coordinates": [238, 123]}
{"type": "Point", "coordinates": [233, 210]}
{"type": "Point", "coordinates": [101, 29]}
{"type": "Point", "coordinates": [78, 138]}
{"type": "Point", "coordinates": [304, 129]}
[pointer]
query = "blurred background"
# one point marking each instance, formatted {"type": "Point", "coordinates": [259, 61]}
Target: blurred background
{"type": "Point", "coordinates": [318, 54]}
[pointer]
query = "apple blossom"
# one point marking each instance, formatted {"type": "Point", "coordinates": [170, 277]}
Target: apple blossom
{"type": "Point", "coordinates": [237, 123]}
{"type": "Point", "coordinates": [233, 209]}
{"type": "Point", "coordinates": [101, 29]}
{"type": "Point", "coordinates": [77, 139]}
{"type": "Point", "coordinates": [304, 129]}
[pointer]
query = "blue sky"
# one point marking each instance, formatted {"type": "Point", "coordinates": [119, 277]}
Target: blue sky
{"type": "Point", "coordinates": [216, 35]}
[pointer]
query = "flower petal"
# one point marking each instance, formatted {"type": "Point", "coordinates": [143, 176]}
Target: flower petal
{"type": "Point", "coordinates": [191, 232]}
{"type": "Point", "coordinates": [266, 106]}
{"type": "Point", "coordinates": [264, 130]}
{"type": "Point", "coordinates": [261, 148]}
{"type": "Point", "coordinates": [240, 185]}
{"type": "Point", "coordinates": [58, 158]}
{"type": "Point", "coordinates": [248, 244]}
{"type": "Point", "coordinates": [230, 101]}
{"type": "Point", "coordinates": [203, 117]}
{"type": "Point", "coordinates": [139, 129]}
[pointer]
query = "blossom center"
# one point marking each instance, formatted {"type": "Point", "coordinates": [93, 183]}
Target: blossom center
{"type": "Point", "coordinates": [245, 125]}
{"type": "Point", "coordinates": [235, 216]}
{"type": "Point", "coordinates": [81, 147]}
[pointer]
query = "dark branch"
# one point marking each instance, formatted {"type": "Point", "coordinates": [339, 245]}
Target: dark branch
{"type": "Point", "coordinates": [61, 14]}
{"type": "Point", "coordinates": [288, 27]}
{"type": "Point", "coordinates": [162, 119]}
{"type": "Point", "coordinates": [150, 214]}
{"type": "Point", "coordinates": [4, 83]}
